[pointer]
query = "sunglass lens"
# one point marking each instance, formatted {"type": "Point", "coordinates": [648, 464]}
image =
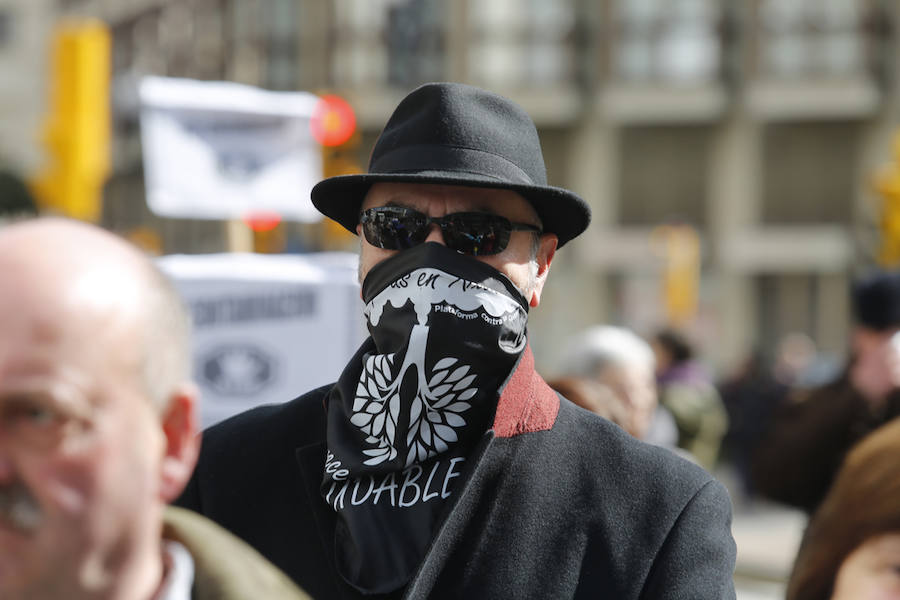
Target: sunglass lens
{"type": "Point", "coordinates": [476, 234]}
{"type": "Point", "coordinates": [398, 228]}
{"type": "Point", "coordinates": [393, 228]}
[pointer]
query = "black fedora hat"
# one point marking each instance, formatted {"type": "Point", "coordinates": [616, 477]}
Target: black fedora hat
{"type": "Point", "coordinates": [455, 134]}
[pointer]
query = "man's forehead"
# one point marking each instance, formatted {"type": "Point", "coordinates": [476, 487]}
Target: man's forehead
{"type": "Point", "coordinates": [67, 322]}
{"type": "Point", "coordinates": [49, 368]}
{"type": "Point", "coordinates": [453, 197]}
{"type": "Point", "coordinates": [44, 334]}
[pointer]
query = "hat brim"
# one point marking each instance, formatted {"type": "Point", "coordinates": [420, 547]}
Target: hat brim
{"type": "Point", "coordinates": [562, 212]}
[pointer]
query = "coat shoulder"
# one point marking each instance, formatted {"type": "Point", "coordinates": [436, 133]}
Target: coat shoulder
{"type": "Point", "coordinates": [619, 517]}
{"type": "Point", "coordinates": [224, 566]}
{"type": "Point", "coordinates": [253, 447]}
{"type": "Point", "coordinates": [602, 449]}
{"type": "Point", "coordinates": [648, 501]}
{"type": "Point", "coordinates": [297, 422]}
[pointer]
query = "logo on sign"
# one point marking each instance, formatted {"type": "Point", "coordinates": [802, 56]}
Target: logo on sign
{"type": "Point", "coordinates": [237, 370]}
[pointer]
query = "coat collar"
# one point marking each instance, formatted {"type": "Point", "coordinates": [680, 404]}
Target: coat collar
{"type": "Point", "coordinates": [527, 403]}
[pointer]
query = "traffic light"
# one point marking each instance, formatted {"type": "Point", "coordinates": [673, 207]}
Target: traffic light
{"type": "Point", "coordinates": [268, 232]}
{"type": "Point", "coordinates": [334, 126]}
{"type": "Point", "coordinates": [76, 132]}
{"type": "Point", "coordinates": [887, 184]}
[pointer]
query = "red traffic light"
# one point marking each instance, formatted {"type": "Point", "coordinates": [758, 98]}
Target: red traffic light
{"type": "Point", "coordinates": [333, 121]}
{"type": "Point", "coordinates": [261, 222]}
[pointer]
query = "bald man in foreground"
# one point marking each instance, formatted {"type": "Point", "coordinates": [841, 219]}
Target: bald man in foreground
{"type": "Point", "coordinates": [98, 430]}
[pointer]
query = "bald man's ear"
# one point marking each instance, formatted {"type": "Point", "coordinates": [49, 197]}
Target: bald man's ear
{"type": "Point", "coordinates": [544, 257]}
{"type": "Point", "coordinates": [182, 440]}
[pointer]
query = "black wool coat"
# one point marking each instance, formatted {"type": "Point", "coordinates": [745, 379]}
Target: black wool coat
{"type": "Point", "coordinates": [555, 502]}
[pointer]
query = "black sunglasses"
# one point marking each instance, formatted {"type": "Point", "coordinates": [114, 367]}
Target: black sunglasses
{"type": "Point", "coordinates": [472, 233]}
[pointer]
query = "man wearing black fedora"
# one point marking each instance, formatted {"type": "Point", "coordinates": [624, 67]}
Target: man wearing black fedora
{"type": "Point", "coordinates": [440, 464]}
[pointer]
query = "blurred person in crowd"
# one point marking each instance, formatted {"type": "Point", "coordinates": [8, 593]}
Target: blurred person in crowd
{"type": "Point", "coordinates": [440, 464]}
{"type": "Point", "coordinates": [98, 431]}
{"type": "Point", "coordinates": [810, 434]}
{"type": "Point", "coordinates": [851, 548]}
{"type": "Point", "coordinates": [750, 395]}
{"type": "Point", "coordinates": [590, 394]}
{"type": "Point", "coordinates": [623, 364]}
{"type": "Point", "coordinates": [686, 390]}
{"type": "Point", "coordinates": [795, 355]}
{"type": "Point", "coordinates": [798, 362]}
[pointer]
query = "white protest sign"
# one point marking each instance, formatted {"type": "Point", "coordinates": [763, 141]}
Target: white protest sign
{"type": "Point", "coordinates": [267, 328]}
{"type": "Point", "coordinates": [221, 150]}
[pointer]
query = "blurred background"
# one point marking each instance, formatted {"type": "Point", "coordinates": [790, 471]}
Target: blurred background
{"type": "Point", "coordinates": [738, 155]}
{"type": "Point", "coordinates": [727, 148]}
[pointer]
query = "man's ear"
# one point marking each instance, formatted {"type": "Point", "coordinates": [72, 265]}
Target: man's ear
{"type": "Point", "coordinates": [182, 442]}
{"type": "Point", "coordinates": [359, 266]}
{"type": "Point", "coordinates": [546, 250]}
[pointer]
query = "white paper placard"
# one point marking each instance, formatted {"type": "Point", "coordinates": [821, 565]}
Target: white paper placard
{"type": "Point", "coordinates": [267, 328]}
{"type": "Point", "coordinates": [222, 150]}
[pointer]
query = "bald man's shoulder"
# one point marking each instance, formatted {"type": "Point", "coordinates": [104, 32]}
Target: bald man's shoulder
{"type": "Point", "coordinates": [255, 471]}
{"type": "Point", "coordinates": [224, 566]}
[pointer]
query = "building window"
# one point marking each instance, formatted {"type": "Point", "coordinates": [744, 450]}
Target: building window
{"type": "Point", "coordinates": [664, 175]}
{"type": "Point", "coordinates": [6, 26]}
{"type": "Point", "coordinates": [283, 67]}
{"type": "Point", "coordinates": [415, 42]}
{"type": "Point", "coordinates": [814, 38]}
{"type": "Point", "coordinates": [666, 41]}
{"type": "Point", "coordinates": [209, 40]}
{"type": "Point", "coordinates": [809, 172]}
{"type": "Point", "coordinates": [516, 44]}
{"type": "Point", "coordinates": [388, 42]}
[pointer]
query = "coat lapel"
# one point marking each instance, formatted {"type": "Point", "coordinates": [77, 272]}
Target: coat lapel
{"type": "Point", "coordinates": [526, 404]}
{"type": "Point", "coordinates": [457, 516]}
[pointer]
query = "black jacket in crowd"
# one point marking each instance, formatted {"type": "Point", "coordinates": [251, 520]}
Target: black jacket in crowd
{"type": "Point", "coordinates": [811, 433]}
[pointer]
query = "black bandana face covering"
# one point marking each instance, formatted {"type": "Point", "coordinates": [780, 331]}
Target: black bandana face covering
{"type": "Point", "coordinates": [446, 331]}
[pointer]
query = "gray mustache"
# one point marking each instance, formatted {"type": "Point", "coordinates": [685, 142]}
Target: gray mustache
{"type": "Point", "coordinates": [19, 508]}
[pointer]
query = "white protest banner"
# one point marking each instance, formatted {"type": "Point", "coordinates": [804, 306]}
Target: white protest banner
{"type": "Point", "coordinates": [221, 150]}
{"type": "Point", "coordinates": [267, 328]}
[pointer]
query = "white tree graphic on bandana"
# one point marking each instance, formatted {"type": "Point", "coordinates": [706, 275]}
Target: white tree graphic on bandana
{"type": "Point", "coordinates": [442, 396]}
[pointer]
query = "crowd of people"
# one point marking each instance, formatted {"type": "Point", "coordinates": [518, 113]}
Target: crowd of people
{"type": "Point", "coordinates": [440, 464]}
